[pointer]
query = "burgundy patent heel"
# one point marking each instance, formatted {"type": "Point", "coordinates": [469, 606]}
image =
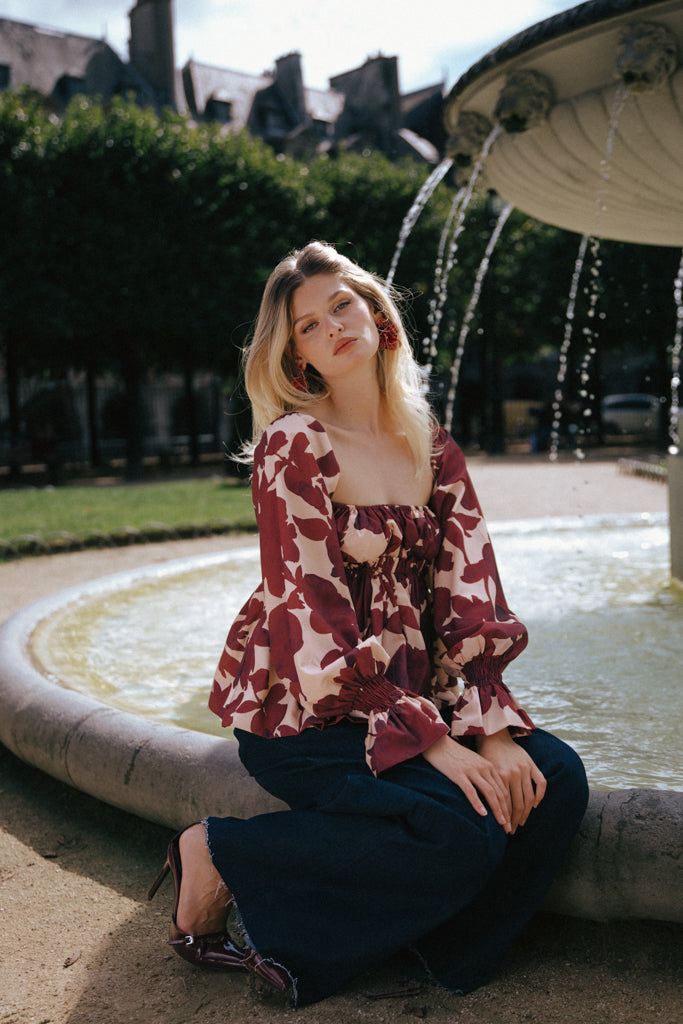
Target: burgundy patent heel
{"type": "Point", "coordinates": [215, 949]}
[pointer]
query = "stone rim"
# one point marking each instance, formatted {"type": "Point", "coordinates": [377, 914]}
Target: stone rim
{"type": "Point", "coordinates": [624, 862]}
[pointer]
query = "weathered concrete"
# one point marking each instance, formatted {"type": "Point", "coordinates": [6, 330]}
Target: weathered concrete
{"type": "Point", "coordinates": [624, 863]}
{"type": "Point", "coordinates": [627, 859]}
{"type": "Point", "coordinates": [161, 773]}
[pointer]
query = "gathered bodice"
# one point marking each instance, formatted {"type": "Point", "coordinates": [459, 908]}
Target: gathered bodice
{"type": "Point", "coordinates": [388, 552]}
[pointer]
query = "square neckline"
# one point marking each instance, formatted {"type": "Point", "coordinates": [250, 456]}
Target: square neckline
{"type": "Point", "coordinates": [403, 506]}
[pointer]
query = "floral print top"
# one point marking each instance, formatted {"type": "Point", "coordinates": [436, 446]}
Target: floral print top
{"type": "Point", "coordinates": [375, 613]}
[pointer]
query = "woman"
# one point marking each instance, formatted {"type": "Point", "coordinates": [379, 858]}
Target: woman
{"type": "Point", "coordinates": [364, 678]}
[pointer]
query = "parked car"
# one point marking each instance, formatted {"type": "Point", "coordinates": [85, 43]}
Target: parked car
{"type": "Point", "coordinates": [630, 414]}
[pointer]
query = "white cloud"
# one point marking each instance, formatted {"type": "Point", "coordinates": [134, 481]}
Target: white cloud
{"type": "Point", "coordinates": [434, 40]}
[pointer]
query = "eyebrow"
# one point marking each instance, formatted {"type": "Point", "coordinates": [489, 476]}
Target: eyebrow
{"type": "Point", "coordinates": [331, 298]}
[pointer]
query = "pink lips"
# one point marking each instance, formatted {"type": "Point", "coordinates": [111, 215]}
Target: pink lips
{"type": "Point", "coordinates": [342, 344]}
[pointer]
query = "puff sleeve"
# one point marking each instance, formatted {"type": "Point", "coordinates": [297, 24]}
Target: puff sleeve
{"type": "Point", "coordinates": [477, 633]}
{"type": "Point", "coordinates": [295, 658]}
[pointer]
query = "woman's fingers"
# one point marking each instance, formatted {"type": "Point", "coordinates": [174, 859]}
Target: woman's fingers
{"type": "Point", "coordinates": [481, 790]}
{"type": "Point", "coordinates": [497, 796]}
{"type": "Point", "coordinates": [519, 804]}
{"type": "Point", "coordinates": [539, 783]}
{"type": "Point", "coordinates": [479, 780]}
{"type": "Point", "coordinates": [524, 781]}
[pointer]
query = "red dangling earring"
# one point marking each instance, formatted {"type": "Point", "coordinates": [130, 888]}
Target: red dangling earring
{"type": "Point", "coordinates": [299, 382]}
{"type": "Point", "coordinates": [388, 332]}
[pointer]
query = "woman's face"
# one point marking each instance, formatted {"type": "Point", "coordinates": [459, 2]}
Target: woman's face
{"type": "Point", "coordinates": [334, 328]}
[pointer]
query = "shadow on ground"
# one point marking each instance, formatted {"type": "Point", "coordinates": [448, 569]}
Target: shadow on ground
{"type": "Point", "coordinates": [88, 948]}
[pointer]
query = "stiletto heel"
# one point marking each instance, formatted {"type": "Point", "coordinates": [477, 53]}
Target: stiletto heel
{"type": "Point", "coordinates": [215, 949]}
{"type": "Point", "coordinates": [158, 880]}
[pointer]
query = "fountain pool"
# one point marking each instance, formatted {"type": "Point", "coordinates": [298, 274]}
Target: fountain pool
{"type": "Point", "coordinates": [602, 668]}
{"type": "Point", "coordinates": [603, 665]}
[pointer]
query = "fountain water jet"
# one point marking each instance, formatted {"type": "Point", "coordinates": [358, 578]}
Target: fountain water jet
{"type": "Point", "coordinates": [429, 349]}
{"type": "Point", "coordinates": [676, 364]}
{"type": "Point", "coordinates": [471, 307]}
{"type": "Point", "coordinates": [620, 98]}
{"type": "Point", "coordinates": [464, 199]}
{"type": "Point", "coordinates": [564, 349]}
{"type": "Point", "coordinates": [411, 218]}
{"type": "Point", "coordinates": [614, 131]}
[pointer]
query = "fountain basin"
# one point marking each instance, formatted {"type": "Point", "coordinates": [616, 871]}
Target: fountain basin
{"type": "Point", "coordinates": [160, 772]}
{"type": "Point", "coordinates": [624, 863]}
{"type": "Point", "coordinates": [553, 170]}
{"type": "Point", "coordinates": [605, 640]}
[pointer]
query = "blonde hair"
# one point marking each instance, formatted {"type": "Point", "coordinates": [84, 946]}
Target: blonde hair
{"type": "Point", "coordinates": [269, 365]}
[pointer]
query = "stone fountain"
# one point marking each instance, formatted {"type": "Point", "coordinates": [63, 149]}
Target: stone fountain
{"type": "Point", "coordinates": [552, 90]}
{"type": "Point", "coordinates": [590, 104]}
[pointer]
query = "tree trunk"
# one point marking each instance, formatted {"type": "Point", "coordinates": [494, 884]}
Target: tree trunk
{"type": "Point", "coordinates": [93, 426]}
{"type": "Point", "coordinates": [14, 406]}
{"type": "Point", "coordinates": [191, 413]}
{"type": "Point", "coordinates": [132, 377]}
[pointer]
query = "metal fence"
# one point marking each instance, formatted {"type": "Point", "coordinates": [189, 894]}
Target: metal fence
{"type": "Point", "coordinates": [64, 421]}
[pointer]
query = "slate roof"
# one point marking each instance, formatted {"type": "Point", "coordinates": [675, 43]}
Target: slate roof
{"type": "Point", "coordinates": [46, 59]}
{"type": "Point", "coordinates": [61, 64]}
{"type": "Point", "coordinates": [203, 82]}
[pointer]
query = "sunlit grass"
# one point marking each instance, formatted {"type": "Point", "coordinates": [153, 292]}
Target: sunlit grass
{"type": "Point", "coordinates": [41, 512]}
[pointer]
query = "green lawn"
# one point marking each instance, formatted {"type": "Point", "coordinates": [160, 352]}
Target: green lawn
{"type": "Point", "coordinates": [83, 511]}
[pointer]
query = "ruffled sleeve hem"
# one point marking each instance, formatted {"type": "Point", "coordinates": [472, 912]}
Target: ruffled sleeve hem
{"type": "Point", "coordinates": [406, 729]}
{"type": "Point", "coordinates": [486, 708]}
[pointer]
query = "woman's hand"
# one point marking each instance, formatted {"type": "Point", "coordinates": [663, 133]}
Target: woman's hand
{"type": "Point", "coordinates": [475, 775]}
{"type": "Point", "coordinates": [524, 783]}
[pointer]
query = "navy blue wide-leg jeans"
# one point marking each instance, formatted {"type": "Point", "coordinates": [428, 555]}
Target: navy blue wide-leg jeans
{"type": "Point", "coordinates": [362, 867]}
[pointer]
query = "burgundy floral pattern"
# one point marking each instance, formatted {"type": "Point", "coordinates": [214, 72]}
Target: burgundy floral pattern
{"type": "Point", "coordinates": [382, 613]}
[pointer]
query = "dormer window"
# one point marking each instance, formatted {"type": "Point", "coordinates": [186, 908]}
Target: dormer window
{"type": "Point", "coordinates": [218, 110]}
{"type": "Point", "coordinates": [67, 87]}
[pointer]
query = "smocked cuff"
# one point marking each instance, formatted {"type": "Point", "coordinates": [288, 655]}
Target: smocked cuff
{"type": "Point", "coordinates": [375, 694]}
{"type": "Point", "coordinates": [483, 670]}
{"type": "Point", "coordinates": [367, 693]}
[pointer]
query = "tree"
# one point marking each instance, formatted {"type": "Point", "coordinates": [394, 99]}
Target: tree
{"type": "Point", "coordinates": [160, 233]}
{"type": "Point", "coordinates": [26, 291]}
{"type": "Point", "coordinates": [135, 242]}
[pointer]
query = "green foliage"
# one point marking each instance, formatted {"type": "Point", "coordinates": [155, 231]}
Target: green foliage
{"type": "Point", "coordinates": [134, 241]}
{"type": "Point", "coordinates": [26, 292]}
{"type": "Point", "coordinates": [148, 239]}
{"type": "Point", "coordinates": [164, 230]}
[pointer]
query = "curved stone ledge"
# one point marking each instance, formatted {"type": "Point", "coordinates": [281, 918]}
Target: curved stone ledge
{"type": "Point", "coordinates": [626, 860]}
{"type": "Point", "coordinates": [624, 863]}
{"type": "Point", "coordinates": [584, 17]}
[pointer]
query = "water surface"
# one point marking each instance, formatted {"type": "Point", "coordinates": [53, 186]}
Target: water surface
{"type": "Point", "coordinates": [602, 670]}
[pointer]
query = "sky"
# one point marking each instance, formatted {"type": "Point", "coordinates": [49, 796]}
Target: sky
{"type": "Point", "coordinates": [332, 36]}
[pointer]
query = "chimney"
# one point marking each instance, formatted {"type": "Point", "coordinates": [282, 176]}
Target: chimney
{"type": "Point", "coordinates": [291, 84]}
{"type": "Point", "coordinates": [152, 52]}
